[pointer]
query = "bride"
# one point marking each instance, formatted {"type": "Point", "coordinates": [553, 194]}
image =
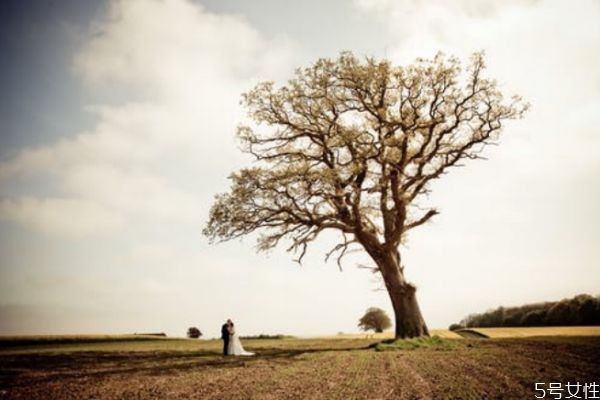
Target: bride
{"type": "Point", "coordinates": [235, 346]}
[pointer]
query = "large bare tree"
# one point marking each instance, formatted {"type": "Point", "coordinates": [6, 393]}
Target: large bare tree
{"type": "Point", "coordinates": [352, 146]}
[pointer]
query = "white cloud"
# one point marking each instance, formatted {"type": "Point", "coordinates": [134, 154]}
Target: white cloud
{"type": "Point", "coordinates": [72, 217]}
{"type": "Point", "coordinates": [164, 79]}
{"type": "Point", "coordinates": [543, 50]}
{"type": "Point", "coordinates": [528, 209]}
{"type": "Point", "coordinates": [169, 46]}
{"type": "Point", "coordinates": [167, 134]}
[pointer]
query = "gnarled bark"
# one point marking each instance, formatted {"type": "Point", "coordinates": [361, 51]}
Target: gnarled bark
{"type": "Point", "coordinates": [408, 319]}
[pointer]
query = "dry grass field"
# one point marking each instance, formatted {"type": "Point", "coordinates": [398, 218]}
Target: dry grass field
{"type": "Point", "coordinates": [443, 333]}
{"type": "Point", "coordinates": [310, 368]}
{"type": "Point", "coordinates": [516, 332]}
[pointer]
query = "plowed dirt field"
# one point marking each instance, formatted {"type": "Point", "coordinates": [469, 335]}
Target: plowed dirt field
{"type": "Point", "coordinates": [298, 369]}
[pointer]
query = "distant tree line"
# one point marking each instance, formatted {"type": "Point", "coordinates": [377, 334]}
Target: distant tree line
{"type": "Point", "coordinates": [581, 310]}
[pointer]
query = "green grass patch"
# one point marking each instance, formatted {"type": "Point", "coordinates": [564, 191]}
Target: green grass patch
{"type": "Point", "coordinates": [429, 342]}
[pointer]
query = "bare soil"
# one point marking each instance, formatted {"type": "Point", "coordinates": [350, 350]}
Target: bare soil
{"type": "Point", "coordinates": [334, 369]}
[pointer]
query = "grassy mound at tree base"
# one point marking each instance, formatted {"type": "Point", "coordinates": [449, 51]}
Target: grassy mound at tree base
{"type": "Point", "coordinates": [432, 342]}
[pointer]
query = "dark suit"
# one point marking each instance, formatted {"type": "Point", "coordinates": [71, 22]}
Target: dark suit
{"type": "Point", "coordinates": [225, 337]}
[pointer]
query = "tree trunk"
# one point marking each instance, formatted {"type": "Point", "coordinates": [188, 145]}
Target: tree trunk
{"type": "Point", "coordinates": [409, 321]}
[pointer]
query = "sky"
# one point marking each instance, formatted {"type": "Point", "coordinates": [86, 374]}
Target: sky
{"type": "Point", "coordinates": [117, 123]}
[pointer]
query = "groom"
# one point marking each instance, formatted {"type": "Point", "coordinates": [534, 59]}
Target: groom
{"type": "Point", "coordinates": [225, 336]}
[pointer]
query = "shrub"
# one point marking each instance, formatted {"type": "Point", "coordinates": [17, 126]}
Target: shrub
{"type": "Point", "coordinates": [455, 327]}
{"type": "Point", "coordinates": [194, 333]}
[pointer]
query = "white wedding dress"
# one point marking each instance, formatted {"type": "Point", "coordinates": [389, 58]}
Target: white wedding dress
{"type": "Point", "coordinates": [235, 347]}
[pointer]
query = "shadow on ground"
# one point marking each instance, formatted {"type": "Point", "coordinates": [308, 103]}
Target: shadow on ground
{"type": "Point", "coordinates": [40, 368]}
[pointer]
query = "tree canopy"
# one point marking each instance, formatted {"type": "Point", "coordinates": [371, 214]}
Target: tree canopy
{"type": "Point", "coordinates": [352, 146]}
{"type": "Point", "coordinates": [374, 319]}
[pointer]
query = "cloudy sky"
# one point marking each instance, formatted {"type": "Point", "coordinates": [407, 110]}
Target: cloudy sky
{"type": "Point", "coordinates": [117, 124]}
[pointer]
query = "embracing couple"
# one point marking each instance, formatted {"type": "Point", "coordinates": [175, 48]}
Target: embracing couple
{"type": "Point", "coordinates": [231, 341]}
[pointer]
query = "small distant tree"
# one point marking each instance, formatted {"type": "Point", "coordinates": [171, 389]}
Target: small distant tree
{"type": "Point", "coordinates": [374, 319]}
{"type": "Point", "coordinates": [194, 333]}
